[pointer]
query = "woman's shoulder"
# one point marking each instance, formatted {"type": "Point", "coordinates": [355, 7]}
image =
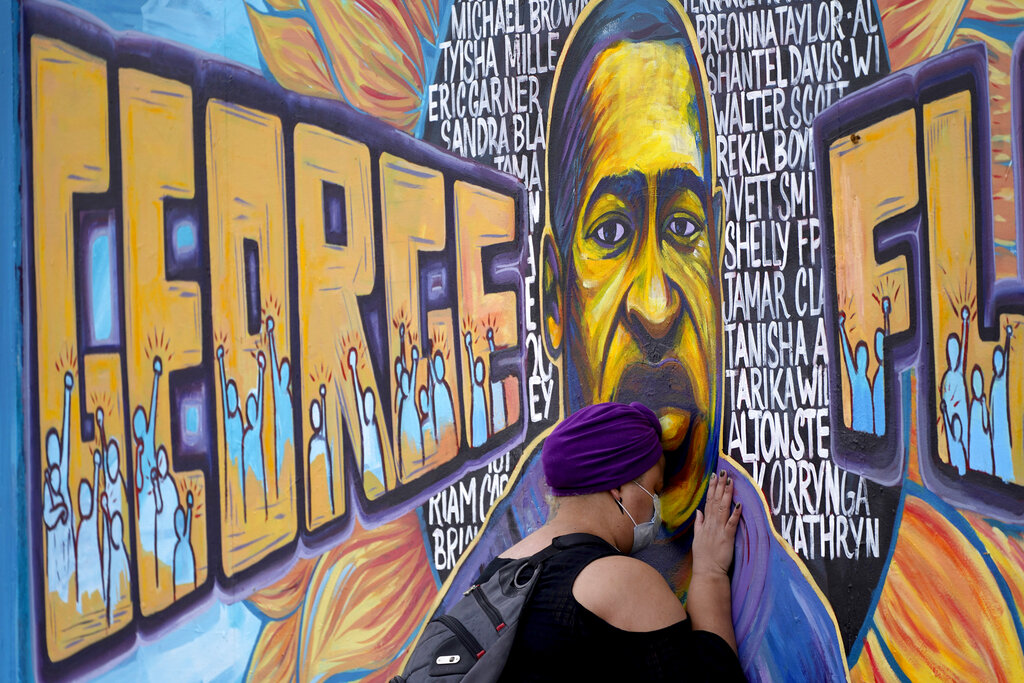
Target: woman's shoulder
{"type": "Point", "coordinates": [628, 594]}
{"type": "Point", "coordinates": [530, 545]}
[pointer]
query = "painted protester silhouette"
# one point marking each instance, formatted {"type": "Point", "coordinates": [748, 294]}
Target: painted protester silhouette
{"type": "Point", "coordinates": [1002, 441]}
{"type": "Point", "coordinates": [860, 385]}
{"type": "Point", "coordinates": [319, 448]}
{"type": "Point", "coordinates": [498, 417]}
{"type": "Point", "coordinates": [154, 486]}
{"type": "Point", "coordinates": [156, 515]}
{"type": "Point", "coordinates": [233, 431]}
{"type": "Point", "coordinates": [252, 460]}
{"type": "Point", "coordinates": [631, 311]}
{"type": "Point", "coordinates": [116, 560]}
{"type": "Point", "coordinates": [878, 388]}
{"type": "Point", "coordinates": [954, 438]}
{"type": "Point", "coordinates": [184, 556]}
{"type": "Point", "coordinates": [979, 444]}
{"type": "Point", "coordinates": [88, 564]}
{"type": "Point", "coordinates": [144, 432]}
{"type": "Point", "coordinates": [442, 407]}
{"type": "Point", "coordinates": [954, 387]}
{"type": "Point", "coordinates": [112, 499]}
{"type": "Point", "coordinates": [284, 431]}
{"type": "Point", "coordinates": [369, 431]}
{"type": "Point", "coordinates": [479, 429]}
{"type": "Point", "coordinates": [410, 435]}
{"type": "Point", "coordinates": [427, 420]}
{"type": "Point", "coordinates": [58, 514]}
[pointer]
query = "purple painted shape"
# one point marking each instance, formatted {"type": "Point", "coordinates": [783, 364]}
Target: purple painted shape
{"type": "Point", "coordinates": [100, 258]}
{"type": "Point", "coordinates": [882, 459]}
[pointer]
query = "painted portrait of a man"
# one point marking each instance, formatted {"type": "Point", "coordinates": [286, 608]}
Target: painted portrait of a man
{"type": "Point", "coordinates": [631, 309]}
{"type": "Point", "coordinates": [630, 293]}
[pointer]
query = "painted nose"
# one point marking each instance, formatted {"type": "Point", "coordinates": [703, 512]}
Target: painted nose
{"type": "Point", "coordinates": [653, 303]}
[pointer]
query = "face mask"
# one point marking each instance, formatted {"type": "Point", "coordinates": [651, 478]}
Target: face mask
{"type": "Point", "coordinates": [643, 534]}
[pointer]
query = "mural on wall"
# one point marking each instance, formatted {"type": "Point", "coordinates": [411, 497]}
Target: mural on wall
{"type": "Point", "coordinates": [287, 359]}
{"type": "Point", "coordinates": [201, 426]}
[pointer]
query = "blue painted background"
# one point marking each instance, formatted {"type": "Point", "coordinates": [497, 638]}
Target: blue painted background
{"type": "Point", "coordinates": [14, 644]}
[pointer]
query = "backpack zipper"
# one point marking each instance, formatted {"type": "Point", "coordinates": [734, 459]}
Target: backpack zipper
{"type": "Point", "coordinates": [463, 634]}
{"type": "Point", "coordinates": [488, 609]}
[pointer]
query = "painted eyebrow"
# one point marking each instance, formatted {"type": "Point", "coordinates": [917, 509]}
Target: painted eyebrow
{"type": "Point", "coordinates": [628, 186]}
{"type": "Point", "coordinates": [632, 187]}
{"type": "Point", "coordinates": [676, 180]}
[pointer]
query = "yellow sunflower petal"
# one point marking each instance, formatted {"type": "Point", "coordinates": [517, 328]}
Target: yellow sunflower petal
{"type": "Point", "coordinates": [276, 654]}
{"type": "Point", "coordinates": [377, 58]}
{"type": "Point", "coordinates": [284, 597]}
{"type": "Point", "coordinates": [292, 54]}
{"type": "Point", "coordinates": [917, 29]}
{"type": "Point", "coordinates": [348, 618]}
{"type": "Point", "coordinates": [939, 594]}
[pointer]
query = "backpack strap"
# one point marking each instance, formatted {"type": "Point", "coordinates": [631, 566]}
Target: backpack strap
{"type": "Point", "coordinates": [558, 544]}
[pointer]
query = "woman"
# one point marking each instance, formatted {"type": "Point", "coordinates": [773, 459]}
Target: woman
{"type": "Point", "coordinates": [597, 613]}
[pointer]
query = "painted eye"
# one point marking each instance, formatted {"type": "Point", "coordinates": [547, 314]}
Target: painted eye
{"type": "Point", "coordinates": [682, 227]}
{"type": "Point", "coordinates": [611, 233]}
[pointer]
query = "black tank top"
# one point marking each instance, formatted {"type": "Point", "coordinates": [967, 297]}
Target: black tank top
{"type": "Point", "coordinates": [559, 639]}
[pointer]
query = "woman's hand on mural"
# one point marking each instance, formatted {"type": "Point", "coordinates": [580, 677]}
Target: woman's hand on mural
{"type": "Point", "coordinates": [709, 600]}
{"type": "Point", "coordinates": [715, 531]}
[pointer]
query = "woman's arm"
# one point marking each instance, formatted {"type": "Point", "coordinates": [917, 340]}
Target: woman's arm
{"type": "Point", "coordinates": [709, 600]}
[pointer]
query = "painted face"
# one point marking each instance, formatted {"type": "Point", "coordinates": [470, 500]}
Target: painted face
{"type": "Point", "coordinates": [952, 350]}
{"type": "Point", "coordinates": [85, 499]}
{"type": "Point", "coordinates": [862, 356]}
{"type": "Point", "coordinates": [113, 461]}
{"type": "Point", "coordinates": [314, 415]}
{"type": "Point", "coordinates": [641, 289]}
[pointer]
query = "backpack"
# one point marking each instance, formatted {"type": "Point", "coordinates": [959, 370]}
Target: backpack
{"type": "Point", "coordinates": [472, 642]}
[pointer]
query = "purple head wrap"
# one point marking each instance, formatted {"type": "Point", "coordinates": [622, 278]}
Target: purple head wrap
{"type": "Point", "coordinates": [600, 447]}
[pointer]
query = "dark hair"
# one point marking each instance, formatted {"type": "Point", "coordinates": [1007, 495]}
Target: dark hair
{"type": "Point", "coordinates": [607, 23]}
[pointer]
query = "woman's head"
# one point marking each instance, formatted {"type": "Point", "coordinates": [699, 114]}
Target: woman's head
{"type": "Point", "coordinates": [601, 447]}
